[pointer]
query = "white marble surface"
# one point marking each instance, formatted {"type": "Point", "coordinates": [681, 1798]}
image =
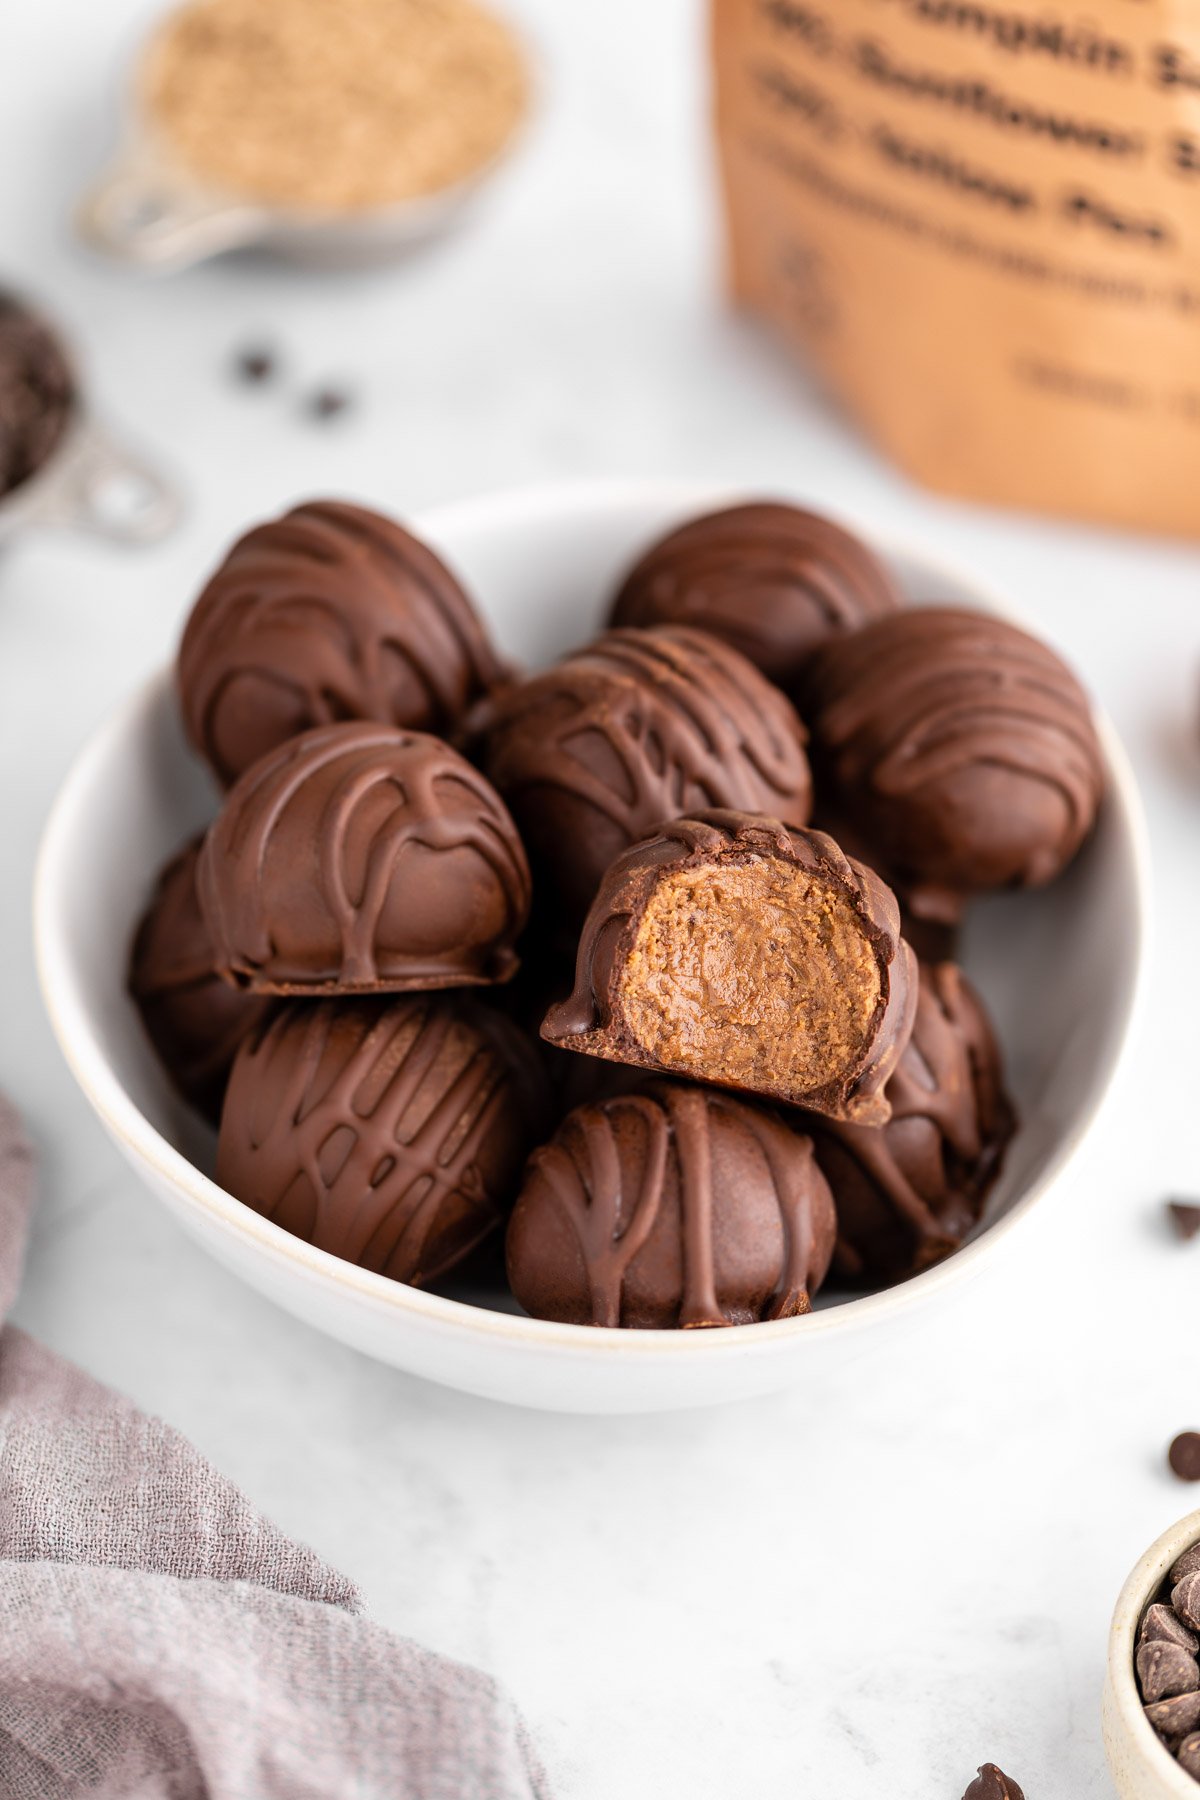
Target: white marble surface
{"type": "Point", "coordinates": [862, 1590]}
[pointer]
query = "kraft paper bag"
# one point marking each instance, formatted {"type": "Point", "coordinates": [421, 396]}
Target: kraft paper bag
{"type": "Point", "coordinates": [981, 224]}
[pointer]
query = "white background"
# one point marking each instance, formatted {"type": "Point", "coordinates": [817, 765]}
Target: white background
{"type": "Point", "coordinates": [857, 1590]}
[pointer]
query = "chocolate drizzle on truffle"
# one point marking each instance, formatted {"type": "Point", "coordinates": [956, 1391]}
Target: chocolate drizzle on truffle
{"type": "Point", "coordinates": [772, 580]}
{"type": "Point", "coordinates": [389, 1133]}
{"type": "Point", "coordinates": [640, 727]}
{"type": "Point", "coordinates": [328, 613]}
{"type": "Point", "coordinates": [961, 749]}
{"type": "Point", "coordinates": [362, 858]}
{"type": "Point", "coordinates": [673, 1206]}
{"type": "Point", "coordinates": [731, 949]}
{"type": "Point", "coordinates": [194, 1020]}
{"type": "Point", "coordinates": [907, 1194]}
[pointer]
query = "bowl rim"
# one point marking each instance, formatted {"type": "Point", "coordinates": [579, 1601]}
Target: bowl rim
{"type": "Point", "coordinates": [1142, 1581]}
{"type": "Point", "coordinates": [147, 1147]}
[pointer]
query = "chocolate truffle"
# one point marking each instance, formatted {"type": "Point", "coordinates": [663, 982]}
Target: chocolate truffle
{"type": "Point", "coordinates": [772, 580]}
{"type": "Point", "coordinates": [194, 1020]}
{"type": "Point", "coordinates": [360, 858]}
{"type": "Point", "coordinates": [907, 1194]}
{"type": "Point", "coordinates": [731, 949]}
{"type": "Point", "coordinates": [390, 1133]}
{"type": "Point", "coordinates": [674, 1206]}
{"type": "Point", "coordinates": [329, 613]}
{"type": "Point", "coordinates": [37, 393]}
{"type": "Point", "coordinates": [638, 728]}
{"type": "Point", "coordinates": [959, 748]}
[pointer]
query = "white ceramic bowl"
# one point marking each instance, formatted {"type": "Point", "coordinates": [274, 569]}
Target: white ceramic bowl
{"type": "Point", "coordinates": [1059, 969]}
{"type": "Point", "coordinates": [1142, 1767]}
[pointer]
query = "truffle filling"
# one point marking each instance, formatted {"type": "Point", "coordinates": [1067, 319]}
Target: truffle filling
{"type": "Point", "coordinates": [761, 975]}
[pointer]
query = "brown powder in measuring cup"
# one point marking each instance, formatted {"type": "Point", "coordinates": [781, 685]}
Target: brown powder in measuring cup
{"type": "Point", "coordinates": [335, 105]}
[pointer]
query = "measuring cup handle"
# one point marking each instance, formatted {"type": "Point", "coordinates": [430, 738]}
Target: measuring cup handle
{"type": "Point", "coordinates": [148, 215]}
{"type": "Point", "coordinates": [100, 487]}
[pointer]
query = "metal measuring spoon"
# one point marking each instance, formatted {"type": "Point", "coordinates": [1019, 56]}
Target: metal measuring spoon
{"type": "Point", "coordinates": [89, 481]}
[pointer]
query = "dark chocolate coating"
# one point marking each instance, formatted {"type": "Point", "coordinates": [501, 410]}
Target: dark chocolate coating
{"type": "Point", "coordinates": [360, 858]}
{"type": "Point", "coordinates": [907, 1194]}
{"type": "Point", "coordinates": [772, 580]}
{"type": "Point", "coordinates": [961, 750]}
{"type": "Point", "coordinates": [638, 728]}
{"type": "Point", "coordinates": [194, 1020]}
{"type": "Point", "coordinates": [390, 1133]}
{"type": "Point", "coordinates": [37, 393]}
{"type": "Point", "coordinates": [328, 613]}
{"type": "Point", "coordinates": [673, 1206]}
{"type": "Point", "coordinates": [591, 1020]}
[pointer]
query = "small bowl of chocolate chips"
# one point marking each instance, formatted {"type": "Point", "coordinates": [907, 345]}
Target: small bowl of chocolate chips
{"type": "Point", "coordinates": [1152, 1693]}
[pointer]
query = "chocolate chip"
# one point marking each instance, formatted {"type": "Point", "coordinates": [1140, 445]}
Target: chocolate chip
{"type": "Point", "coordinates": [1177, 1716]}
{"type": "Point", "coordinates": [1184, 1456]}
{"type": "Point", "coordinates": [327, 402]}
{"type": "Point", "coordinates": [1161, 1625]}
{"type": "Point", "coordinates": [1188, 1754]}
{"type": "Point", "coordinates": [1185, 1217]}
{"type": "Point", "coordinates": [1185, 1598]}
{"type": "Point", "coordinates": [1166, 1669]}
{"type": "Point", "coordinates": [993, 1784]}
{"type": "Point", "coordinates": [255, 365]}
{"type": "Point", "coordinates": [1184, 1565]}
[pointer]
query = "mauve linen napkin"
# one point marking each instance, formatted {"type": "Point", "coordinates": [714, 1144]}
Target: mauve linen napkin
{"type": "Point", "coordinates": [161, 1641]}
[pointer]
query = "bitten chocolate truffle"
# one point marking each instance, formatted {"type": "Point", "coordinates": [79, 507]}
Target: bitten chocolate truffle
{"type": "Point", "coordinates": [37, 393]}
{"type": "Point", "coordinates": [640, 727]}
{"type": "Point", "coordinates": [731, 949]}
{"type": "Point", "coordinates": [673, 1206]}
{"type": "Point", "coordinates": [194, 1020]}
{"type": "Point", "coordinates": [772, 580]}
{"type": "Point", "coordinates": [329, 613]}
{"type": "Point", "coordinates": [959, 748]}
{"type": "Point", "coordinates": [359, 858]}
{"type": "Point", "coordinates": [390, 1133]}
{"type": "Point", "coordinates": [908, 1193]}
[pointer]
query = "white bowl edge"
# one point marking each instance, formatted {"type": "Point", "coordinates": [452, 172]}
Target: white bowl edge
{"type": "Point", "coordinates": [1142, 1767]}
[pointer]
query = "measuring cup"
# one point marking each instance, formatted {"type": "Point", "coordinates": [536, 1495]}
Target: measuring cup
{"type": "Point", "coordinates": [89, 482]}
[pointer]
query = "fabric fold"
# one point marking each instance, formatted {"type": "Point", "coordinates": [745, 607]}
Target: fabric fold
{"type": "Point", "coordinates": [161, 1640]}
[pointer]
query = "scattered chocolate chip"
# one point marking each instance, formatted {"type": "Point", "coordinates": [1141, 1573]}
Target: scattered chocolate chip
{"type": "Point", "coordinates": [1188, 1755]}
{"type": "Point", "coordinates": [992, 1783]}
{"type": "Point", "coordinates": [1177, 1716]}
{"type": "Point", "coordinates": [1185, 1217]}
{"type": "Point", "coordinates": [255, 366]}
{"type": "Point", "coordinates": [1161, 1625]}
{"type": "Point", "coordinates": [1184, 1565]}
{"type": "Point", "coordinates": [1185, 1598]}
{"type": "Point", "coordinates": [328, 402]}
{"type": "Point", "coordinates": [1184, 1456]}
{"type": "Point", "coordinates": [1166, 1669]}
